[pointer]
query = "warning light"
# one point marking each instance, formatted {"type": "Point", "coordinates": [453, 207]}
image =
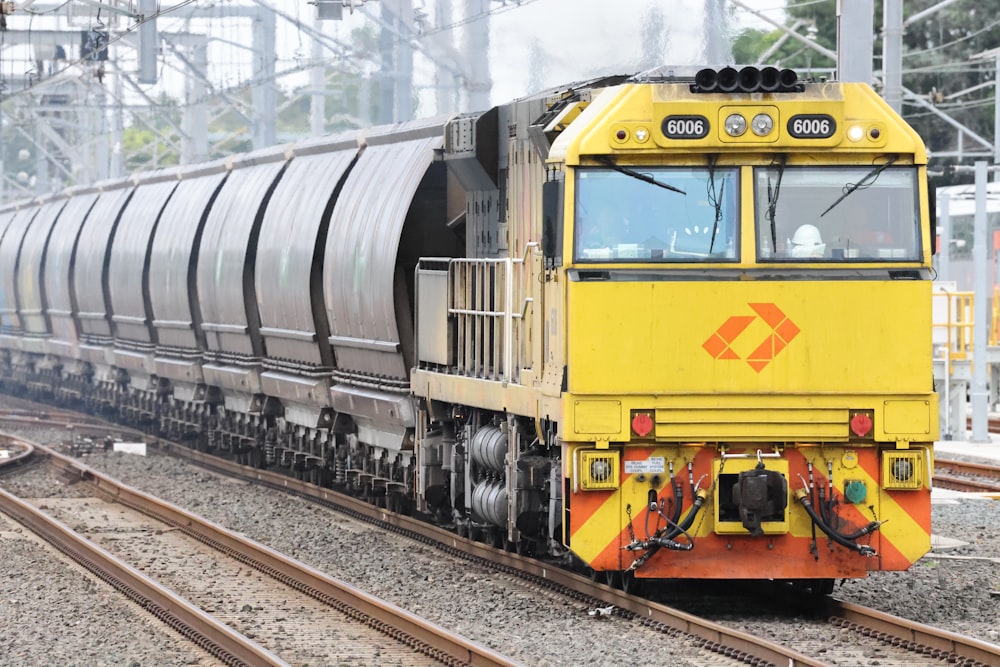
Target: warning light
{"type": "Point", "coordinates": [861, 424]}
{"type": "Point", "coordinates": [642, 424]}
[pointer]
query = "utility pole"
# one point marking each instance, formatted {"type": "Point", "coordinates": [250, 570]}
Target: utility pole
{"type": "Point", "coordinates": [317, 85]}
{"type": "Point", "coordinates": [265, 102]}
{"type": "Point", "coordinates": [194, 145]}
{"type": "Point", "coordinates": [892, 53]}
{"type": "Point", "coordinates": [149, 42]}
{"type": "Point", "coordinates": [396, 74]}
{"type": "Point", "coordinates": [855, 41]}
{"type": "Point", "coordinates": [475, 51]}
{"type": "Point", "coordinates": [717, 51]}
{"type": "Point", "coordinates": [445, 84]}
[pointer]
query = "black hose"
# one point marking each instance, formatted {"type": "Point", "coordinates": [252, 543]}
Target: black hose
{"type": "Point", "coordinates": [865, 550]}
{"type": "Point", "coordinates": [824, 510]}
{"type": "Point", "coordinates": [870, 528]}
{"type": "Point", "coordinates": [681, 527]}
{"type": "Point", "coordinates": [666, 540]}
{"type": "Point", "coordinates": [675, 516]}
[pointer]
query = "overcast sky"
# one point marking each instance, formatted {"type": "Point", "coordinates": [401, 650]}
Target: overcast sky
{"type": "Point", "coordinates": [567, 40]}
{"type": "Point", "coordinates": [582, 38]}
{"type": "Point", "coordinates": [574, 39]}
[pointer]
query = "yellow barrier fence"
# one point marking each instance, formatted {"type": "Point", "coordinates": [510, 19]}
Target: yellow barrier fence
{"type": "Point", "coordinates": [953, 322]}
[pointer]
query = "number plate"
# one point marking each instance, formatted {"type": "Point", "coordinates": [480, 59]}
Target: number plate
{"type": "Point", "coordinates": [812, 126]}
{"type": "Point", "coordinates": [685, 127]}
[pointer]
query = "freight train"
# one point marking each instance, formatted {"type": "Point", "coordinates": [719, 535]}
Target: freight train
{"type": "Point", "coordinates": [672, 325]}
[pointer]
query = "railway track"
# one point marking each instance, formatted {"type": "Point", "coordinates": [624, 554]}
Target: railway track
{"type": "Point", "coordinates": [967, 476]}
{"type": "Point", "coordinates": [913, 643]}
{"type": "Point", "coordinates": [917, 638]}
{"type": "Point", "coordinates": [300, 606]}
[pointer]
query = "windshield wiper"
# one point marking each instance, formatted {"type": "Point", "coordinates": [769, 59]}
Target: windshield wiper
{"type": "Point", "coordinates": [864, 182]}
{"type": "Point", "coordinates": [639, 175]}
{"type": "Point", "coordinates": [714, 198]}
{"type": "Point", "coordinates": [772, 196]}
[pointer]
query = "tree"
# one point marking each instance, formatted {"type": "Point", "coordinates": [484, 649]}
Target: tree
{"type": "Point", "coordinates": [936, 64]}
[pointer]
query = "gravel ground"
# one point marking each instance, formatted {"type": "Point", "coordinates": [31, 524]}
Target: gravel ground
{"type": "Point", "coordinates": [534, 627]}
{"type": "Point", "coordinates": [953, 589]}
{"type": "Point", "coordinates": [52, 613]}
{"type": "Point", "coordinates": [958, 588]}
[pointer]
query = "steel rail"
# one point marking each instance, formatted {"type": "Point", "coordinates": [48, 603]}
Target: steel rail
{"type": "Point", "coordinates": [948, 646]}
{"type": "Point", "coordinates": [19, 455]}
{"type": "Point", "coordinates": [977, 477]}
{"type": "Point", "coordinates": [422, 635]}
{"type": "Point", "coordinates": [204, 630]}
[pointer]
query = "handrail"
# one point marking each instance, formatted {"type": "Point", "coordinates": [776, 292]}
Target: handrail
{"type": "Point", "coordinates": [489, 300]}
{"type": "Point", "coordinates": [958, 324]}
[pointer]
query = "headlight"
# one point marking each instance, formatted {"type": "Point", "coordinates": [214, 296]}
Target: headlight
{"type": "Point", "coordinates": [762, 124]}
{"type": "Point", "coordinates": [736, 125]}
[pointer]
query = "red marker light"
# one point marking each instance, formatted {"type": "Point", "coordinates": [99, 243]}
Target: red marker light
{"type": "Point", "coordinates": [621, 135]}
{"type": "Point", "coordinates": [861, 424]}
{"type": "Point", "coordinates": [642, 424]}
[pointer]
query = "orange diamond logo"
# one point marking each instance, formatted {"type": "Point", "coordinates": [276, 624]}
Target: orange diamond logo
{"type": "Point", "coordinates": [783, 330]}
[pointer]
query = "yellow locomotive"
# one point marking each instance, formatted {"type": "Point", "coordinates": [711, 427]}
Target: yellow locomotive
{"type": "Point", "coordinates": [700, 346]}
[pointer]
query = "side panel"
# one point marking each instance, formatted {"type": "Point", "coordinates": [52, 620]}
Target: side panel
{"type": "Point", "coordinates": [226, 259]}
{"type": "Point", "coordinates": [6, 218]}
{"type": "Point", "coordinates": [30, 266]}
{"type": "Point", "coordinates": [58, 274]}
{"type": "Point", "coordinates": [10, 249]}
{"type": "Point", "coordinates": [90, 268]}
{"type": "Point", "coordinates": [359, 274]}
{"type": "Point", "coordinates": [173, 250]}
{"type": "Point", "coordinates": [128, 262]}
{"type": "Point", "coordinates": [286, 278]}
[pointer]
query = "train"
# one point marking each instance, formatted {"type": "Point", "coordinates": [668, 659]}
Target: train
{"type": "Point", "coordinates": [673, 325]}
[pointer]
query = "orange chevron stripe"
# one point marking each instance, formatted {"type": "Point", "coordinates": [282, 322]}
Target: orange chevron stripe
{"type": "Point", "coordinates": [900, 542]}
{"type": "Point", "coordinates": [585, 504]}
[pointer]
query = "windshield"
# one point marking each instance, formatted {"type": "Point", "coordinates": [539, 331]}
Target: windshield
{"type": "Point", "coordinates": [656, 214]}
{"type": "Point", "coordinates": [837, 214]}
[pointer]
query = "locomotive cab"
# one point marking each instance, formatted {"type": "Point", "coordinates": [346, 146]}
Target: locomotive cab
{"type": "Point", "coordinates": [747, 328]}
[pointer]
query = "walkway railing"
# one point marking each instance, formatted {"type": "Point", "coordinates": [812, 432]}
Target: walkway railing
{"type": "Point", "coordinates": [953, 324]}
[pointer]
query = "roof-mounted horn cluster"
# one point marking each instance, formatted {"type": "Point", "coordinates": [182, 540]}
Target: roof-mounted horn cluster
{"type": "Point", "coordinates": [747, 80]}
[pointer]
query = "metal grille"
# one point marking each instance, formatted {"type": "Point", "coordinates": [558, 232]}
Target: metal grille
{"type": "Point", "coordinates": [902, 470]}
{"type": "Point", "coordinates": [599, 470]}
